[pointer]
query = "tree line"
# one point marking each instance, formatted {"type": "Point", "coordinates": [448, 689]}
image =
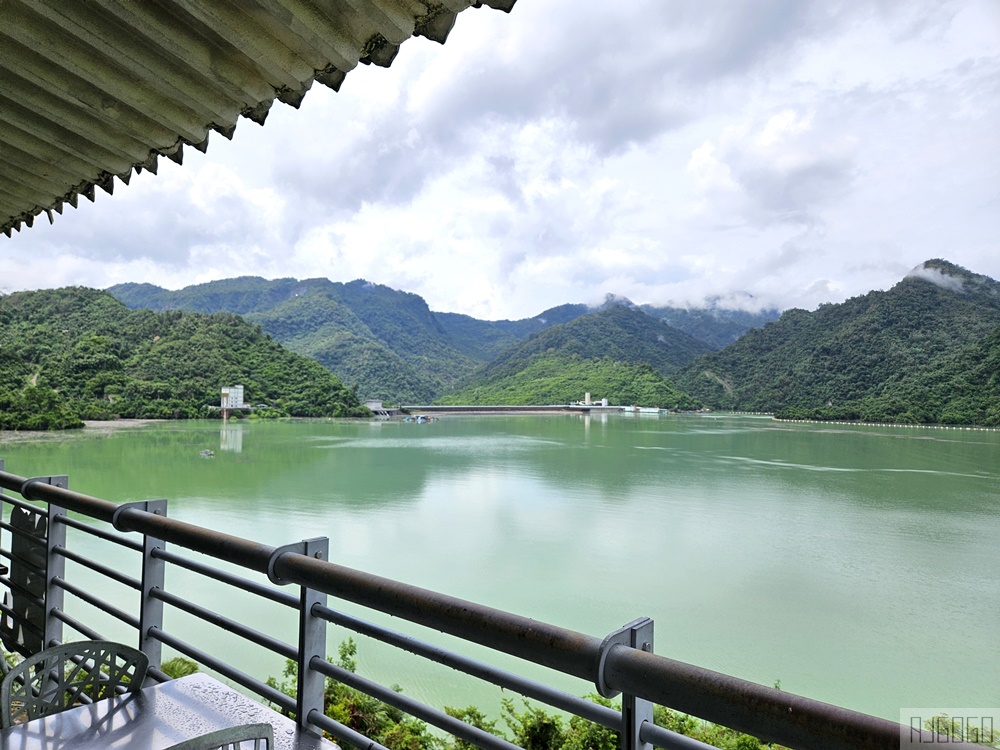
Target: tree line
{"type": "Point", "coordinates": [75, 354]}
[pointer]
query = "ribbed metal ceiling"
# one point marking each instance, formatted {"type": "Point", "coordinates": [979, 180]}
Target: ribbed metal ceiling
{"type": "Point", "coordinates": [91, 90]}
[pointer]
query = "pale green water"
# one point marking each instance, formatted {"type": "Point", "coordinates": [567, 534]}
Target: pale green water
{"type": "Point", "coordinates": [859, 566]}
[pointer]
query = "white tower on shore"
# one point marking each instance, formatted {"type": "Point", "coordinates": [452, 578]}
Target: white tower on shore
{"type": "Point", "coordinates": [232, 397]}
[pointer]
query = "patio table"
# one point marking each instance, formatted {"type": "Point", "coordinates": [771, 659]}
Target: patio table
{"type": "Point", "coordinates": [155, 718]}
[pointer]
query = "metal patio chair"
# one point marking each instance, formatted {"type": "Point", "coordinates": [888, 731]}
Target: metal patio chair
{"type": "Point", "coordinates": [243, 737]}
{"type": "Point", "coordinates": [67, 675]}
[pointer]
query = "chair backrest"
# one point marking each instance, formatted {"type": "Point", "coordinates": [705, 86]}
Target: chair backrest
{"type": "Point", "coordinates": [67, 675]}
{"type": "Point", "coordinates": [243, 737]}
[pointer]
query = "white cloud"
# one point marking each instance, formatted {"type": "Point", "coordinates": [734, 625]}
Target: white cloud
{"type": "Point", "coordinates": [782, 170]}
{"type": "Point", "coordinates": [938, 277]}
{"type": "Point", "coordinates": [794, 150]}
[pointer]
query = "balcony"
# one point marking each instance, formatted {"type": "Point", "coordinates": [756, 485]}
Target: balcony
{"type": "Point", "coordinates": [298, 578]}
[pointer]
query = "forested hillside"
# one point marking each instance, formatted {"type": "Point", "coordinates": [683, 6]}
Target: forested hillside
{"type": "Point", "coordinates": [964, 389]}
{"type": "Point", "coordinates": [385, 341]}
{"type": "Point", "coordinates": [389, 342]}
{"type": "Point", "coordinates": [560, 379]}
{"type": "Point", "coordinates": [618, 332]}
{"type": "Point", "coordinates": [619, 353]}
{"type": "Point", "coordinates": [78, 353]}
{"type": "Point", "coordinates": [715, 326]}
{"type": "Point", "coordinates": [919, 352]}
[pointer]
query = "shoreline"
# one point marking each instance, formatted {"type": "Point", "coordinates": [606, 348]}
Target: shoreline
{"type": "Point", "coordinates": [99, 423]}
{"type": "Point", "coordinates": [98, 427]}
{"type": "Point", "coordinates": [505, 411]}
{"type": "Point", "coordinates": [510, 409]}
{"type": "Point", "coordinates": [842, 422]}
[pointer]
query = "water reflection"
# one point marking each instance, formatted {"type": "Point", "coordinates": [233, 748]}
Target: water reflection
{"type": "Point", "coordinates": [841, 561]}
{"type": "Point", "coordinates": [231, 438]}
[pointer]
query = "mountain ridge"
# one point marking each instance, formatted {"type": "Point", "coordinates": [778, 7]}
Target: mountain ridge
{"type": "Point", "coordinates": [387, 341]}
{"type": "Point", "coordinates": [844, 359]}
{"type": "Point", "coordinates": [618, 352]}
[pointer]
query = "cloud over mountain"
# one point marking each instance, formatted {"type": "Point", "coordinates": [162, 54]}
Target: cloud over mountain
{"type": "Point", "coordinates": [800, 152]}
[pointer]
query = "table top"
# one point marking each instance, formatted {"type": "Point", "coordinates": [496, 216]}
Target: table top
{"type": "Point", "coordinates": [155, 718]}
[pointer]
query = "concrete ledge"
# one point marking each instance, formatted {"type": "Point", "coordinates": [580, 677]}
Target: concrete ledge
{"type": "Point", "coordinates": [534, 409]}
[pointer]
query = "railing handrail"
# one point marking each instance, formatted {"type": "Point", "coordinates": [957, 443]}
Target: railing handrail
{"type": "Point", "coordinates": [562, 649]}
{"type": "Point", "coordinates": [770, 714]}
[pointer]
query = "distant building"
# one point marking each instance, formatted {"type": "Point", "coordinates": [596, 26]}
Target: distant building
{"type": "Point", "coordinates": [374, 404]}
{"type": "Point", "coordinates": [232, 397]}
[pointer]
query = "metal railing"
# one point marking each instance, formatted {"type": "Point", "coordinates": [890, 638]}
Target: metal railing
{"type": "Point", "coordinates": [620, 663]}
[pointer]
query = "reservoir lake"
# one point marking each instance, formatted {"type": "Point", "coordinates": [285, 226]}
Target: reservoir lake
{"type": "Point", "coordinates": [857, 565]}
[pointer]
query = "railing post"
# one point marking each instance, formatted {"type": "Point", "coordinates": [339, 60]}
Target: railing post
{"type": "Point", "coordinates": [311, 684]}
{"type": "Point", "coordinates": [6, 622]}
{"type": "Point", "coordinates": [150, 607]}
{"type": "Point", "coordinates": [55, 565]}
{"type": "Point", "coordinates": [636, 711]}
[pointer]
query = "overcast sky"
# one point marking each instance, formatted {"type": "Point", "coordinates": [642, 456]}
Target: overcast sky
{"type": "Point", "coordinates": [668, 151]}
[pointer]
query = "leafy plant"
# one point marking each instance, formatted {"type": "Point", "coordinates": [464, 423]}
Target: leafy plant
{"type": "Point", "coordinates": [531, 727]}
{"type": "Point", "coordinates": [179, 667]}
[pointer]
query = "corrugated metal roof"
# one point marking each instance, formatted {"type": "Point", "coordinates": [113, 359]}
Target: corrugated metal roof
{"type": "Point", "coordinates": [91, 90]}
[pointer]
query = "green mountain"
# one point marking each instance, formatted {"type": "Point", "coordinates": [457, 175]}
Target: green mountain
{"type": "Point", "coordinates": [560, 379]}
{"type": "Point", "coordinates": [386, 341]}
{"type": "Point", "coordinates": [487, 339]}
{"type": "Point", "coordinates": [389, 342]}
{"type": "Point", "coordinates": [713, 325]}
{"type": "Point", "coordinates": [618, 332]}
{"type": "Point", "coordinates": [620, 353]}
{"type": "Point", "coordinates": [241, 295]}
{"type": "Point", "coordinates": [964, 389]}
{"type": "Point", "coordinates": [919, 352]}
{"type": "Point", "coordinates": [80, 353]}
{"type": "Point", "coordinates": [482, 340]}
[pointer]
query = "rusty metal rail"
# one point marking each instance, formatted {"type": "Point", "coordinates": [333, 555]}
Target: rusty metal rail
{"type": "Point", "coordinates": [612, 664]}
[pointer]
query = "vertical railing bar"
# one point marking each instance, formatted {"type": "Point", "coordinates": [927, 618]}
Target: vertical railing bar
{"type": "Point", "coordinates": [312, 642]}
{"type": "Point", "coordinates": [636, 711]}
{"type": "Point", "coordinates": [55, 565]}
{"type": "Point", "coordinates": [153, 572]}
{"type": "Point", "coordinates": [310, 684]}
